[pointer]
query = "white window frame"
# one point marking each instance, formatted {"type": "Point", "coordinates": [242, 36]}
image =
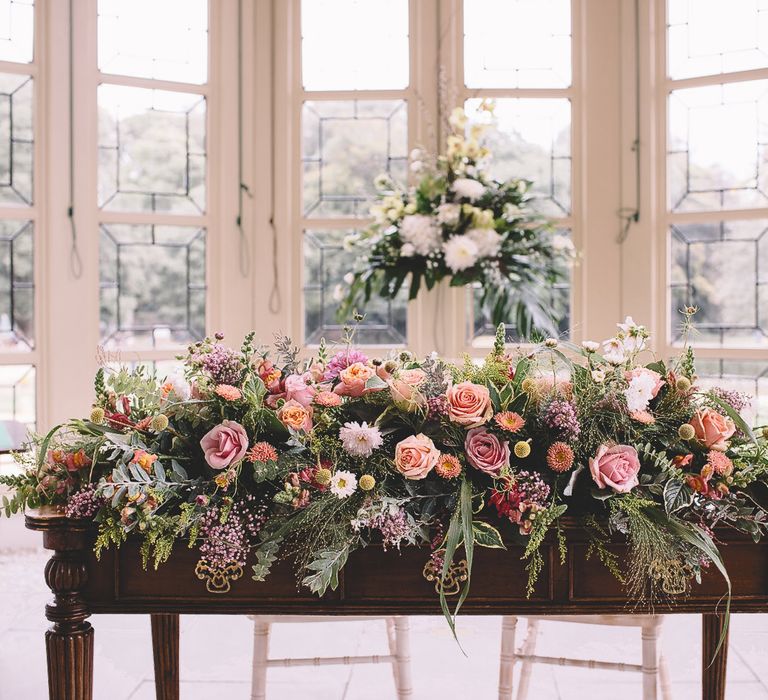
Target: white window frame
{"type": "Point", "coordinates": [68, 307]}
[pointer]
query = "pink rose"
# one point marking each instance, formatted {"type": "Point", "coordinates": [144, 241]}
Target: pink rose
{"type": "Point", "coordinates": [640, 371]}
{"type": "Point", "coordinates": [405, 396]}
{"type": "Point", "coordinates": [486, 452]}
{"type": "Point", "coordinates": [712, 429]}
{"type": "Point", "coordinates": [412, 377]}
{"type": "Point", "coordinates": [616, 466]}
{"type": "Point", "coordinates": [298, 388]}
{"type": "Point", "coordinates": [225, 444]}
{"type": "Point", "coordinates": [352, 380]}
{"type": "Point", "coordinates": [293, 415]}
{"type": "Point", "coordinates": [469, 404]}
{"type": "Point", "coordinates": [416, 456]}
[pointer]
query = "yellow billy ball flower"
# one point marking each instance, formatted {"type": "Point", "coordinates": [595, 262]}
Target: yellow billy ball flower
{"type": "Point", "coordinates": [159, 423]}
{"type": "Point", "coordinates": [765, 432]}
{"type": "Point", "coordinates": [522, 449]}
{"type": "Point", "coordinates": [97, 415]}
{"type": "Point", "coordinates": [323, 476]}
{"type": "Point", "coordinates": [683, 384]}
{"type": "Point", "coordinates": [367, 482]}
{"type": "Point", "coordinates": [528, 385]}
{"type": "Point", "coordinates": [686, 432]}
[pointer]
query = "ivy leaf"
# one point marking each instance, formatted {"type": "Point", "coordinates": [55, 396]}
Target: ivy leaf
{"type": "Point", "coordinates": [486, 535]}
{"type": "Point", "coordinates": [327, 565]}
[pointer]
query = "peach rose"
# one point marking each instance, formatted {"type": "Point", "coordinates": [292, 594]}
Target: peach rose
{"type": "Point", "coordinates": [712, 429]}
{"type": "Point", "coordinates": [469, 404]}
{"type": "Point", "coordinates": [353, 379]}
{"type": "Point", "coordinates": [616, 467]}
{"type": "Point", "coordinates": [293, 415]}
{"type": "Point", "coordinates": [416, 456]}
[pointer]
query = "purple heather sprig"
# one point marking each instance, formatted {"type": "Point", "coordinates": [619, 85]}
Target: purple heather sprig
{"type": "Point", "coordinates": [560, 415]}
{"type": "Point", "coordinates": [222, 364]}
{"type": "Point", "coordinates": [84, 504]}
{"type": "Point", "coordinates": [227, 543]}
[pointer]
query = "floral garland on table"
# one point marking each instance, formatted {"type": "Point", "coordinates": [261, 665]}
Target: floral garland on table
{"type": "Point", "coordinates": [458, 223]}
{"type": "Point", "coordinates": [250, 455]}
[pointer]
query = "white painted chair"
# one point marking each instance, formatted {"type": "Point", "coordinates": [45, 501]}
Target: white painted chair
{"type": "Point", "coordinates": [397, 637]}
{"type": "Point", "coordinates": [653, 666]}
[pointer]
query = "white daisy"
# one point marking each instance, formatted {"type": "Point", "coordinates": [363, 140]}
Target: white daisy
{"type": "Point", "coordinates": [343, 484]}
{"type": "Point", "coordinates": [614, 351]}
{"type": "Point", "coordinates": [590, 345]}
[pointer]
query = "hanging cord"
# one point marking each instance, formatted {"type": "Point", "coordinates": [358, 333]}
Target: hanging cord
{"type": "Point", "coordinates": [75, 261]}
{"type": "Point", "coordinates": [631, 215]}
{"type": "Point", "coordinates": [274, 302]}
{"type": "Point", "coordinates": [245, 259]}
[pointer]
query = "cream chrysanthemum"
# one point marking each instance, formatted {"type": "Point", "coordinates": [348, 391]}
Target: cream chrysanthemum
{"type": "Point", "coordinates": [343, 484]}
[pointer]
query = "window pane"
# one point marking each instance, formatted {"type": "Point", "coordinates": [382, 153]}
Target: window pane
{"type": "Point", "coordinates": [165, 40]}
{"type": "Point", "coordinates": [716, 36]}
{"type": "Point", "coordinates": [152, 285]}
{"type": "Point", "coordinates": [151, 150]}
{"type": "Point", "coordinates": [517, 43]}
{"type": "Point", "coordinates": [717, 147]}
{"type": "Point", "coordinates": [345, 146]}
{"type": "Point", "coordinates": [531, 139]}
{"type": "Point", "coordinates": [17, 393]}
{"type": "Point", "coordinates": [325, 264]}
{"type": "Point", "coordinates": [721, 268]}
{"type": "Point", "coordinates": [16, 285]}
{"type": "Point", "coordinates": [17, 22]}
{"type": "Point", "coordinates": [16, 139]}
{"type": "Point", "coordinates": [747, 376]}
{"type": "Point", "coordinates": [354, 44]}
{"type": "Point", "coordinates": [481, 331]}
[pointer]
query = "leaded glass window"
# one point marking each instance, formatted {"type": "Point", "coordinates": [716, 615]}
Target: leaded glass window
{"type": "Point", "coordinates": [16, 139]}
{"type": "Point", "coordinates": [511, 47]}
{"type": "Point", "coordinates": [152, 285]}
{"type": "Point", "coordinates": [345, 144]}
{"type": "Point", "coordinates": [152, 148]}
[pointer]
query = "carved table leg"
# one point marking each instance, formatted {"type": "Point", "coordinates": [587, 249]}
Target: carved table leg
{"type": "Point", "coordinates": [69, 641]}
{"type": "Point", "coordinates": [165, 647]}
{"type": "Point", "coordinates": [713, 668]}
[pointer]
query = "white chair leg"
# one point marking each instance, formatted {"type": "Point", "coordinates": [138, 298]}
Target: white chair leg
{"type": "Point", "coordinates": [666, 688]}
{"type": "Point", "coordinates": [650, 660]}
{"type": "Point", "coordinates": [392, 643]}
{"type": "Point", "coordinates": [507, 657]}
{"type": "Point", "coordinates": [403, 659]}
{"type": "Point", "coordinates": [529, 647]}
{"type": "Point", "coordinates": [260, 655]}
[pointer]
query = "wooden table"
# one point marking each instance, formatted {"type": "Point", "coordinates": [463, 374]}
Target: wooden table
{"type": "Point", "coordinates": [372, 583]}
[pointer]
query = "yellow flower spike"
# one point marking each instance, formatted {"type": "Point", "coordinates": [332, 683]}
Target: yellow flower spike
{"type": "Point", "coordinates": [97, 415]}
{"type": "Point", "coordinates": [323, 476]}
{"type": "Point", "coordinates": [522, 449]}
{"type": "Point", "coordinates": [686, 431]}
{"type": "Point", "coordinates": [367, 482]}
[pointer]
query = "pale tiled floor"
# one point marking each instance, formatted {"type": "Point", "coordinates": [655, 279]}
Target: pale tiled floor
{"type": "Point", "coordinates": [216, 654]}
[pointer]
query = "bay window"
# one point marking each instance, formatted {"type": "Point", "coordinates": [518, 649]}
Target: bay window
{"type": "Point", "coordinates": [223, 151]}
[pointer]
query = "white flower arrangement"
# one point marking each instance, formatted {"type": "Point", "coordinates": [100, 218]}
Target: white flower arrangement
{"type": "Point", "coordinates": [460, 224]}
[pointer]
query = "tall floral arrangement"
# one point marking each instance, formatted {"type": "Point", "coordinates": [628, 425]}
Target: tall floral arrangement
{"type": "Point", "coordinates": [458, 223]}
{"type": "Point", "coordinates": [251, 454]}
